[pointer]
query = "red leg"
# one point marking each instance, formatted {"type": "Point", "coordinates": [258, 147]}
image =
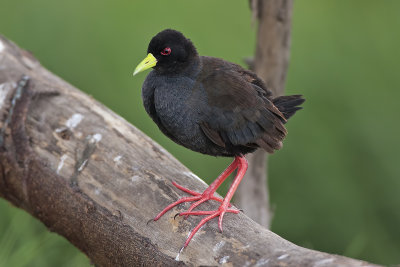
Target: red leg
{"type": "Point", "coordinates": [241, 164]}
{"type": "Point", "coordinates": [206, 195]}
{"type": "Point", "coordinates": [242, 167]}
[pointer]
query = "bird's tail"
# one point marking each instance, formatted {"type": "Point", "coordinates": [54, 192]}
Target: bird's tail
{"type": "Point", "coordinates": [289, 104]}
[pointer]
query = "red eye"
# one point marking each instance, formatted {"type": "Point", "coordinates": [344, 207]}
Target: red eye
{"type": "Point", "coordinates": [166, 51]}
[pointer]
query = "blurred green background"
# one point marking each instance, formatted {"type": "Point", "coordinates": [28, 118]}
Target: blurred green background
{"type": "Point", "coordinates": [335, 186]}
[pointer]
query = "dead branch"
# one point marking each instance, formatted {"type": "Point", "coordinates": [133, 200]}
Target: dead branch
{"type": "Point", "coordinates": [271, 62]}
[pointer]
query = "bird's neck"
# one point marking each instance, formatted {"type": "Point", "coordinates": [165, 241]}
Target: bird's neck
{"type": "Point", "coordinates": [193, 68]}
{"type": "Point", "coordinates": [190, 68]}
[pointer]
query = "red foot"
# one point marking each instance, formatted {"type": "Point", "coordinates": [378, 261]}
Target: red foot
{"type": "Point", "coordinates": [241, 164]}
{"type": "Point", "coordinates": [196, 196]}
{"type": "Point", "coordinates": [211, 214]}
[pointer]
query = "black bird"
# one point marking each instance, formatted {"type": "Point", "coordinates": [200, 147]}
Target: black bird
{"type": "Point", "coordinates": [213, 107]}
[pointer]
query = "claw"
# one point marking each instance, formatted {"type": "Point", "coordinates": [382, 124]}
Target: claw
{"type": "Point", "coordinates": [221, 216]}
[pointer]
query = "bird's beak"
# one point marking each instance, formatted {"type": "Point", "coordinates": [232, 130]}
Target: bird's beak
{"type": "Point", "coordinates": [147, 63]}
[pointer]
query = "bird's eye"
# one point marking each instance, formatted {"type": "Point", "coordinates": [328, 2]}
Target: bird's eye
{"type": "Point", "coordinates": [166, 51]}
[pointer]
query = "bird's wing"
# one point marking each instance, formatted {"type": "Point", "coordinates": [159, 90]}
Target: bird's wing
{"type": "Point", "coordinates": [238, 111]}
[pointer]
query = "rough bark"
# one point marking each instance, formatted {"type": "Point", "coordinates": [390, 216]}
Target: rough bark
{"type": "Point", "coordinates": [270, 63]}
{"type": "Point", "coordinates": [93, 178]}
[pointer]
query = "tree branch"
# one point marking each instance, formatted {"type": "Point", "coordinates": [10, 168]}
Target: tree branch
{"type": "Point", "coordinates": [271, 63]}
{"type": "Point", "coordinates": [93, 178]}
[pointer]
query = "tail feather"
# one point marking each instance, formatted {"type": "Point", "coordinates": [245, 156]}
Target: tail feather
{"type": "Point", "coordinates": [288, 105]}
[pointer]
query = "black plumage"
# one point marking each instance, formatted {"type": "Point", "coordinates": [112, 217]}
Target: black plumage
{"type": "Point", "coordinates": [210, 105]}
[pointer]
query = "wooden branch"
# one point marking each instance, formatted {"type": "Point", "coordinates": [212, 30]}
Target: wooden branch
{"type": "Point", "coordinates": [271, 63]}
{"type": "Point", "coordinates": [93, 178]}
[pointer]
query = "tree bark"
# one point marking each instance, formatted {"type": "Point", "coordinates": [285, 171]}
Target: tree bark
{"type": "Point", "coordinates": [93, 178]}
{"type": "Point", "coordinates": [270, 63]}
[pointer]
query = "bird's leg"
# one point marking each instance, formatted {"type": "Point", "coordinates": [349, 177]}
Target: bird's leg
{"type": "Point", "coordinates": [209, 192]}
{"type": "Point", "coordinates": [242, 164]}
{"type": "Point", "coordinates": [206, 195]}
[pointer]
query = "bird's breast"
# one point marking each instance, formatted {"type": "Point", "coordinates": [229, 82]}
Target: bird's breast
{"type": "Point", "coordinates": [175, 105]}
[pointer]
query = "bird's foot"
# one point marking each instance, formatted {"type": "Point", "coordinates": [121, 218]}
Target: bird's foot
{"type": "Point", "coordinates": [239, 163]}
{"type": "Point", "coordinates": [211, 214]}
{"type": "Point", "coordinates": [198, 197]}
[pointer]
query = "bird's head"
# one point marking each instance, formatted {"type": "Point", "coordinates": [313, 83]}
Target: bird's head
{"type": "Point", "coordinates": [169, 52]}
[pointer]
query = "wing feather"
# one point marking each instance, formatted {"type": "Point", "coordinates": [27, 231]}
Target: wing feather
{"type": "Point", "coordinates": [239, 111]}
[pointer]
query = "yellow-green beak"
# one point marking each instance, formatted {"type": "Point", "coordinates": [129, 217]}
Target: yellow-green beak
{"type": "Point", "coordinates": [147, 63]}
